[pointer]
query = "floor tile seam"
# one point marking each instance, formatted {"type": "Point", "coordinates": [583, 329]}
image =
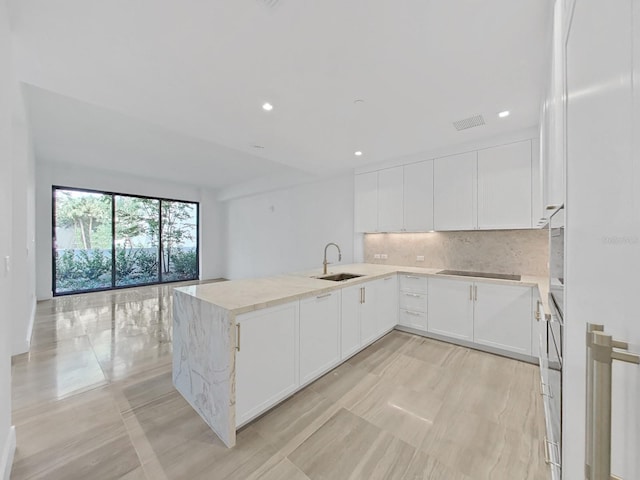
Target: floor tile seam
{"type": "Point", "coordinates": [113, 391]}
{"type": "Point", "coordinates": [145, 404]}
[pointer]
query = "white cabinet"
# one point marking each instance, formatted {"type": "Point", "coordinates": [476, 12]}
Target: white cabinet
{"type": "Point", "coordinates": [450, 308]}
{"type": "Point", "coordinates": [319, 334]}
{"type": "Point", "coordinates": [366, 202]}
{"type": "Point", "coordinates": [418, 197]}
{"type": "Point", "coordinates": [504, 186]}
{"type": "Point", "coordinates": [454, 200]}
{"type": "Point", "coordinates": [502, 317]}
{"type": "Point", "coordinates": [390, 199]}
{"type": "Point", "coordinates": [368, 309]}
{"type": "Point", "coordinates": [350, 325]}
{"type": "Point", "coordinates": [387, 298]}
{"type": "Point", "coordinates": [369, 329]}
{"type": "Point", "coordinates": [412, 301]}
{"type": "Point", "coordinates": [498, 316]}
{"type": "Point", "coordinates": [267, 360]}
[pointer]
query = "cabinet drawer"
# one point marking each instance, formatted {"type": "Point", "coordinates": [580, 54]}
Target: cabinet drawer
{"type": "Point", "coordinates": [413, 301]}
{"type": "Point", "coordinates": [412, 283]}
{"type": "Point", "coordinates": [410, 318]}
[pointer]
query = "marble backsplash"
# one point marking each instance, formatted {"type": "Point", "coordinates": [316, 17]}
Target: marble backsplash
{"type": "Point", "coordinates": [523, 252]}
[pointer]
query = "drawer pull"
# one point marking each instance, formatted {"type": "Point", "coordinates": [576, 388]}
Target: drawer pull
{"type": "Point", "coordinates": [324, 296]}
{"type": "Point", "coordinates": [388, 278]}
{"type": "Point", "coordinates": [413, 276]}
{"type": "Point", "coordinates": [415, 314]}
{"type": "Point", "coordinates": [238, 337]}
{"type": "Point", "coordinates": [415, 295]}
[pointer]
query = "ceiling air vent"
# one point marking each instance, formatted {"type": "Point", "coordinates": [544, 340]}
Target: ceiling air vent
{"type": "Point", "coordinates": [470, 122]}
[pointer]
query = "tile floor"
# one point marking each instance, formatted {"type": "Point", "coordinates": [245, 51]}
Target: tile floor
{"type": "Point", "coordinates": [94, 400]}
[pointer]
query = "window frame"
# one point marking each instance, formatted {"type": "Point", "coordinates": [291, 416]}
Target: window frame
{"type": "Point", "coordinates": [112, 194]}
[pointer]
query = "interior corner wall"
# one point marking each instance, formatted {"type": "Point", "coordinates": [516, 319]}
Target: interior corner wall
{"type": "Point", "coordinates": [49, 174]}
{"type": "Point", "coordinates": [7, 439]}
{"type": "Point", "coordinates": [286, 230]}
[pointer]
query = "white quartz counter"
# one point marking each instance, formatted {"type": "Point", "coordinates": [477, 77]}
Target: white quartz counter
{"type": "Point", "coordinates": [241, 296]}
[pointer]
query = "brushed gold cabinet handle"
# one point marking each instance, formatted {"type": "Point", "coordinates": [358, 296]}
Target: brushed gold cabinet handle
{"type": "Point", "coordinates": [238, 337]}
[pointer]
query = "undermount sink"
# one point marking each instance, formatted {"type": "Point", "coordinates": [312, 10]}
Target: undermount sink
{"type": "Point", "coordinates": [339, 277]}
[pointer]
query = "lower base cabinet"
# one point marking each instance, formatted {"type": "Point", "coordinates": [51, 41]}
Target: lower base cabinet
{"type": "Point", "coordinates": [267, 359]}
{"type": "Point", "coordinates": [319, 334]}
{"type": "Point", "coordinates": [450, 308]}
{"type": "Point", "coordinates": [502, 317]}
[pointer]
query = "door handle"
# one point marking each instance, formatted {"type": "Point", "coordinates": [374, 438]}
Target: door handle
{"type": "Point", "coordinates": [471, 293]}
{"type": "Point", "coordinates": [475, 293]}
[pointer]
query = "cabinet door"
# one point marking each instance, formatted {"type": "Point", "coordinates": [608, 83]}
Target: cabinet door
{"type": "Point", "coordinates": [502, 317]}
{"type": "Point", "coordinates": [369, 314]}
{"type": "Point", "coordinates": [267, 361]}
{"type": "Point", "coordinates": [350, 324]}
{"type": "Point", "coordinates": [455, 184]}
{"type": "Point", "coordinates": [390, 200]}
{"type": "Point", "coordinates": [450, 308]}
{"type": "Point", "coordinates": [366, 202]}
{"type": "Point", "coordinates": [387, 298]}
{"type": "Point", "coordinates": [319, 334]}
{"type": "Point", "coordinates": [504, 186]}
{"type": "Point", "coordinates": [418, 197]}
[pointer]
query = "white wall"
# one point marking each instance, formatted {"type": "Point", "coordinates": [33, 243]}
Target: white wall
{"type": "Point", "coordinates": [23, 228]}
{"type": "Point", "coordinates": [49, 174]}
{"type": "Point", "coordinates": [7, 440]}
{"type": "Point", "coordinates": [286, 230]}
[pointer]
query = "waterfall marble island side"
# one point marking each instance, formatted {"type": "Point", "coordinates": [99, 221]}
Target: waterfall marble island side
{"type": "Point", "coordinates": [205, 334]}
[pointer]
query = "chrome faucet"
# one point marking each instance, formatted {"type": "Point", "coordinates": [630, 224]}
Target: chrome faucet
{"type": "Point", "coordinates": [325, 263]}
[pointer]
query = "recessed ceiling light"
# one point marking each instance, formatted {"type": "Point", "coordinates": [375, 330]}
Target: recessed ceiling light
{"type": "Point", "coordinates": [504, 114]}
{"type": "Point", "coordinates": [267, 106]}
{"type": "Point", "coordinates": [358, 153]}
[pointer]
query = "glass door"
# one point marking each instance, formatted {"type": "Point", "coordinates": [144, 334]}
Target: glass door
{"type": "Point", "coordinates": [82, 244]}
{"type": "Point", "coordinates": [137, 240]}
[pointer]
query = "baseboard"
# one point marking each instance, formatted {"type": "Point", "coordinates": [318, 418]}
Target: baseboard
{"type": "Point", "coordinates": [6, 460]}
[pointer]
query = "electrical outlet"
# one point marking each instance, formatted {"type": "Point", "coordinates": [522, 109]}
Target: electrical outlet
{"type": "Point", "coordinates": [376, 256]}
{"type": "Point", "coordinates": [420, 258]}
{"type": "Point", "coordinates": [384, 256]}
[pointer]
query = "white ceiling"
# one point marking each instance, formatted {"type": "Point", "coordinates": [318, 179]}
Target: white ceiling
{"type": "Point", "coordinates": [202, 70]}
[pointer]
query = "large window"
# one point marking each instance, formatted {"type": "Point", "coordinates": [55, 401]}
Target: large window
{"type": "Point", "coordinates": [107, 240]}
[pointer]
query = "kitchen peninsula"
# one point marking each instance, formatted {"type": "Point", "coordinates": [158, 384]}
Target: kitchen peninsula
{"type": "Point", "coordinates": [241, 347]}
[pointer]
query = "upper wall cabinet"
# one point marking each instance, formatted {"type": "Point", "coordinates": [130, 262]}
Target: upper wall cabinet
{"type": "Point", "coordinates": [366, 202]}
{"type": "Point", "coordinates": [487, 189]}
{"type": "Point", "coordinates": [418, 197]}
{"type": "Point", "coordinates": [390, 199]}
{"type": "Point", "coordinates": [454, 199]}
{"type": "Point", "coordinates": [504, 186]}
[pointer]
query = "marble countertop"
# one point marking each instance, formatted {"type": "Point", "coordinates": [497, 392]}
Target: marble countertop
{"type": "Point", "coordinates": [241, 296]}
